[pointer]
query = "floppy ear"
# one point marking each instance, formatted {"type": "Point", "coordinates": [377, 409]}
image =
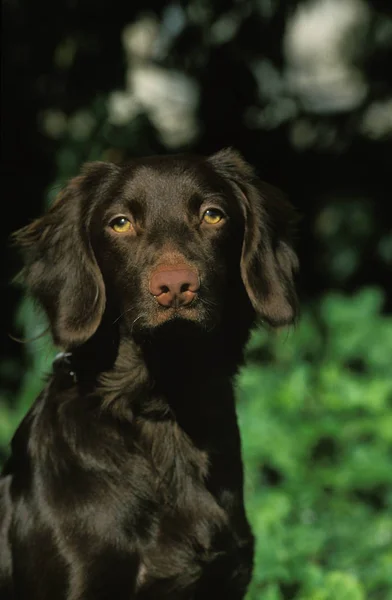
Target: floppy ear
{"type": "Point", "coordinates": [60, 268]}
{"type": "Point", "coordinates": [268, 261]}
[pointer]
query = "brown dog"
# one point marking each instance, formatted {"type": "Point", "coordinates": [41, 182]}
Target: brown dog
{"type": "Point", "coordinates": [125, 479]}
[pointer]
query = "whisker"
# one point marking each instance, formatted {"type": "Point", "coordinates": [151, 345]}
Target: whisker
{"type": "Point", "coordinates": [134, 321]}
{"type": "Point", "coordinates": [208, 302]}
{"type": "Point", "coordinates": [121, 315]}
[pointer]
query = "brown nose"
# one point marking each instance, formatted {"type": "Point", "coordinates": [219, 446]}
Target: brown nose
{"type": "Point", "coordinates": [174, 285]}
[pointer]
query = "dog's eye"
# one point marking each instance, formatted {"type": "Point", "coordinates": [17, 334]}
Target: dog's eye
{"type": "Point", "coordinates": [212, 216]}
{"type": "Point", "coordinates": [121, 224]}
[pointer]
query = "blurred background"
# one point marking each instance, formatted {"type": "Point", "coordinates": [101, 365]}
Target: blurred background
{"type": "Point", "coordinates": [303, 88]}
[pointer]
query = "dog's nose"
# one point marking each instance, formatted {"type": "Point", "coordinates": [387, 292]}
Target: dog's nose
{"type": "Point", "coordinates": [174, 285]}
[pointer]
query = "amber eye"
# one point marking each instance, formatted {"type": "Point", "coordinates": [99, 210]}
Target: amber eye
{"type": "Point", "coordinates": [121, 224]}
{"type": "Point", "coordinates": [212, 216]}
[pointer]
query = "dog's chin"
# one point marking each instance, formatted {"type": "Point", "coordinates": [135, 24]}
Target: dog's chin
{"type": "Point", "coordinates": [179, 328]}
{"type": "Point", "coordinates": [171, 322]}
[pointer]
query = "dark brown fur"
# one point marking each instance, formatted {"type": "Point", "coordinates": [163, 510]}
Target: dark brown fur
{"type": "Point", "coordinates": [125, 479]}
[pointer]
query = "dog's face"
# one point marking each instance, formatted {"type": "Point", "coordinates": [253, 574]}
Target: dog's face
{"type": "Point", "coordinates": [161, 240]}
{"type": "Point", "coordinates": [167, 238]}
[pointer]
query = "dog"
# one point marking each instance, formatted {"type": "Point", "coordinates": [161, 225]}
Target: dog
{"type": "Point", "coordinates": [125, 479]}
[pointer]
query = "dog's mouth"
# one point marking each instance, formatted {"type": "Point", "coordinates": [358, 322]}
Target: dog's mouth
{"type": "Point", "coordinates": [192, 312]}
{"type": "Point", "coordinates": [155, 316]}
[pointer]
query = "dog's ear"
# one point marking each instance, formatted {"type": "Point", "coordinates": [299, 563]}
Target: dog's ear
{"type": "Point", "coordinates": [60, 270]}
{"type": "Point", "coordinates": [268, 261]}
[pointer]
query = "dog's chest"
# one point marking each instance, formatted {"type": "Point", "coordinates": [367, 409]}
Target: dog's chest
{"type": "Point", "coordinates": [186, 515]}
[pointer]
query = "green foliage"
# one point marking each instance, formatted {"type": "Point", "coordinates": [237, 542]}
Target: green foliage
{"type": "Point", "coordinates": [315, 409]}
{"type": "Point", "coordinates": [39, 355]}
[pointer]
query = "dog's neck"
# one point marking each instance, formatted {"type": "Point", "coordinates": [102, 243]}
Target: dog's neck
{"type": "Point", "coordinates": [168, 364]}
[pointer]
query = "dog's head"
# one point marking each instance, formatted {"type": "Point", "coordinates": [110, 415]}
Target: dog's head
{"type": "Point", "coordinates": [162, 239]}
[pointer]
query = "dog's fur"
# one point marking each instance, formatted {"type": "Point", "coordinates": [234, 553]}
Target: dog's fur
{"type": "Point", "coordinates": [125, 479]}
